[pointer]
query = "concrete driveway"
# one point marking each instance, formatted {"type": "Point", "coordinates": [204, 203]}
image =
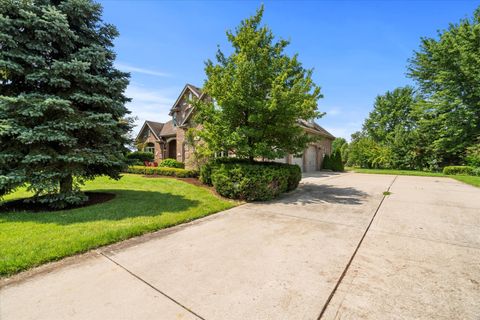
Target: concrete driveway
{"type": "Point", "coordinates": [336, 248]}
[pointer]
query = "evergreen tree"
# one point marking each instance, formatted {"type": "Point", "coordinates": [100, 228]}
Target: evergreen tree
{"type": "Point", "coordinates": [258, 94]}
{"type": "Point", "coordinates": [62, 103]}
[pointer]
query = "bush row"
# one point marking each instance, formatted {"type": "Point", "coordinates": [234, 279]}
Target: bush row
{"type": "Point", "coordinates": [461, 170]}
{"type": "Point", "coordinates": [139, 157]}
{"type": "Point", "coordinates": [244, 180]}
{"type": "Point", "coordinates": [162, 171]}
{"type": "Point", "coordinates": [171, 163]}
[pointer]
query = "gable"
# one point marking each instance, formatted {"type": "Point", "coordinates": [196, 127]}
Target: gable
{"type": "Point", "coordinates": [182, 109]}
{"type": "Point", "coordinates": [150, 128]}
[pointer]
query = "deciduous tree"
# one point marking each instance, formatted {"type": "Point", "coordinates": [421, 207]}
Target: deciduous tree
{"type": "Point", "coordinates": [447, 70]}
{"type": "Point", "coordinates": [258, 94]}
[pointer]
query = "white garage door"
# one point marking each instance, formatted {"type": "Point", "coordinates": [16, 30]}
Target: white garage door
{"type": "Point", "coordinates": [311, 159]}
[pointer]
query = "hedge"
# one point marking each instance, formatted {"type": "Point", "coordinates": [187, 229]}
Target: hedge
{"type": "Point", "coordinates": [244, 180]}
{"type": "Point", "coordinates": [139, 156]}
{"type": "Point", "coordinates": [454, 170]}
{"type": "Point", "coordinates": [162, 171]}
{"type": "Point", "coordinates": [171, 163]}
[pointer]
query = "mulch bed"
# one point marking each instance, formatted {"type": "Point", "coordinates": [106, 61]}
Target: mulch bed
{"type": "Point", "coordinates": [20, 205]}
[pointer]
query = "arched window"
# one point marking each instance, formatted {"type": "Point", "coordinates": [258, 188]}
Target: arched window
{"type": "Point", "coordinates": [150, 147]}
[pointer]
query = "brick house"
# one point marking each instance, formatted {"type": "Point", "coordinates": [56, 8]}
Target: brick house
{"type": "Point", "coordinates": [167, 140]}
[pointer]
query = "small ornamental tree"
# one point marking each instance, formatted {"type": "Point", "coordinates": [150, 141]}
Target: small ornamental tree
{"type": "Point", "coordinates": [62, 103]}
{"type": "Point", "coordinates": [258, 95]}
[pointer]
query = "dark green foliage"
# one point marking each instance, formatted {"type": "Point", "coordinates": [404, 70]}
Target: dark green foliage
{"type": "Point", "coordinates": [61, 99]}
{"type": "Point", "coordinates": [391, 132]}
{"type": "Point", "coordinates": [162, 171]}
{"type": "Point", "coordinates": [447, 71]}
{"type": "Point", "coordinates": [462, 170]}
{"type": "Point", "coordinates": [171, 163]}
{"type": "Point", "coordinates": [338, 143]}
{"type": "Point", "coordinates": [237, 179]}
{"type": "Point", "coordinates": [327, 163]}
{"type": "Point", "coordinates": [391, 111]}
{"type": "Point", "coordinates": [438, 123]}
{"type": "Point", "coordinates": [476, 171]}
{"type": "Point", "coordinates": [333, 162]}
{"type": "Point", "coordinates": [259, 93]}
{"type": "Point", "coordinates": [140, 156]}
{"type": "Point", "coordinates": [344, 151]}
{"type": "Point", "coordinates": [337, 163]}
{"type": "Point", "coordinates": [364, 152]}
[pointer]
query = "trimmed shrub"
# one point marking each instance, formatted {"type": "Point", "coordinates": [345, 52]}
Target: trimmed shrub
{"type": "Point", "coordinates": [171, 163]}
{"type": "Point", "coordinates": [473, 155]}
{"type": "Point", "coordinates": [333, 162]}
{"type": "Point", "coordinates": [476, 171]}
{"type": "Point", "coordinates": [162, 171]}
{"type": "Point", "coordinates": [326, 162]}
{"type": "Point", "coordinates": [455, 170]}
{"type": "Point", "coordinates": [239, 179]}
{"type": "Point", "coordinates": [139, 157]}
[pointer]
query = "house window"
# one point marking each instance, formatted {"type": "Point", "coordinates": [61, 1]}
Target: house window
{"type": "Point", "coordinates": [150, 147]}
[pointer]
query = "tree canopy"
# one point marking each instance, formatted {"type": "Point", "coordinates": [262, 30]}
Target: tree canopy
{"type": "Point", "coordinates": [438, 122]}
{"type": "Point", "coordinates": [447, 71]}
{"type": "Point", "coordinates": [62, 102]}
{"type": "Point", "coordinates": [258, 95]}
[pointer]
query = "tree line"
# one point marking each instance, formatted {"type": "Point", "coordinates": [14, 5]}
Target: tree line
{"type": "Point", "coordinates": [434, 123]}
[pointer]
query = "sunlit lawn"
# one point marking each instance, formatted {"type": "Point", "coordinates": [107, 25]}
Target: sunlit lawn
{"type": "Point", "coordinates": [471, 180]}
{"type": "Point", "coordinates": [141, 205]}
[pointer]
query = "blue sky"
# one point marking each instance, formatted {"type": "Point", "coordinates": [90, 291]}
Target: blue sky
{"type": "Point", "coordinates": [359, 49]}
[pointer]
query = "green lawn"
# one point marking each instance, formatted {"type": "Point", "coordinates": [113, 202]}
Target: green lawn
{"type": "Point", "coordinates": [141, 205]}
{"type": "Point", "coordinates": [471, 180]}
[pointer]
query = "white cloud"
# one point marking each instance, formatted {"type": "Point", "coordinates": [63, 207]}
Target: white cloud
{"type": "Point", "coordinates": [148, 104]}
{"type": "Point", "coordinates": [334, 112]}
{"type": "Point", "coordinates": [129, 68]}
{"type": "Point", "coordinates": [345, 129]}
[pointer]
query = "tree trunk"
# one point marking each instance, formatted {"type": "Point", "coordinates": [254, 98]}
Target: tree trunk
{"type": "Point", "coordinates": [66, 184]}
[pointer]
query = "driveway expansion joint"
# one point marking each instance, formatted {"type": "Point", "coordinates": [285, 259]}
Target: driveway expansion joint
{"type": "Point", "coordinates": [153, 287]}
{"type": "Point", "coordinates": [345, 270]}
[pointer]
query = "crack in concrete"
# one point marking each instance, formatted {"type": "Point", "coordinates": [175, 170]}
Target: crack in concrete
{"type": "Point", "coordinates": [153, 287]}
{"type": "Point", "coordinates": [345, 270]}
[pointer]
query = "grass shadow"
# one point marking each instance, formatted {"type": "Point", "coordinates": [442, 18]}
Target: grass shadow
{"type": "Point", "coordinates": [126, 204]}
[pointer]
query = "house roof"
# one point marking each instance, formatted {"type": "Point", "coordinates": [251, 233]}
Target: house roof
{"type": "Point", "coordinates": [168, 129]}
{"type": "Point", "coordinates": [316, 127]}
{"type": "Point", "coordinates": [196, 91]}
{"type": "Point", "coordinates": [156, 127]}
